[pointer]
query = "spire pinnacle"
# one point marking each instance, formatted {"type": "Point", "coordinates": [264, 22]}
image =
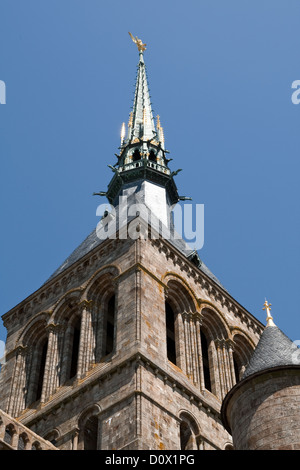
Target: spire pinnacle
{"type": "Point", "coordinates": [122, 133]}
{"type": "Point", "coordinates": [269, 319]}
{"type": "Point", "coordinates": [142, 153]}
{"type": "Point", "coordinates": [141, 121]}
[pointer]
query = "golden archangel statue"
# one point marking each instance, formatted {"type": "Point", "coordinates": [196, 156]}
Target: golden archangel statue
{"type": "Point", "coordinates": [141, 47]}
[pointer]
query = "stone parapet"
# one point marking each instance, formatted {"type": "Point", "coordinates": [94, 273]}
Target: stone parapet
{"type": "Point", "coordinates": [16, 436]}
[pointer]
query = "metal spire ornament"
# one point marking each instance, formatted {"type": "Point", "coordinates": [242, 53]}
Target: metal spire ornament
{"type": "Point", "coordinates": [269, 318]}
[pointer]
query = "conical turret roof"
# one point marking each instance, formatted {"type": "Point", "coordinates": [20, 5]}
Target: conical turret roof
{"type": "Point", "coordinates": [274, 349]}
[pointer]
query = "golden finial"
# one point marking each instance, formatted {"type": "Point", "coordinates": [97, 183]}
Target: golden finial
{"type": "Point", "coordinates": [141, 47]}
{"type": "Point", "coordinates": [269, 318]}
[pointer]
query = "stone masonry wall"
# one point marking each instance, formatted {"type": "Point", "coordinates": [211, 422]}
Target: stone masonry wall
{"type": "Point", "coordinates": [265, 412]}
{"type": "Point", "coordinates": [137, 394]}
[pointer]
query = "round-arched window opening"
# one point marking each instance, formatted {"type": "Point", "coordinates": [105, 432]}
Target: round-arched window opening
{"type": "Point", "coordinates": [152, 156]}
{"type": "Point", "coordinates": [136, 155]}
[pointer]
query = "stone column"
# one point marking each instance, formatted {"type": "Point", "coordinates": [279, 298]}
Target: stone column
{"type": "Point", "coordinates": [216, 378]}
{"type": "Point", "coordinates": [198, 323]}
{"type": "Point", "coordinates": [15, 440]}
{"type": "Point", "coordinates": [75, 439]}
{"type": "Point", "coordinates": [52, 369]}
{"type": "Point", "coordinates": [17, 397]}
{"type": "Point", "coordinates": [186, 343]}
{"type": "Point", "coordinates": [227, 375]}
{"type": "Point", "coordinates": [85, 333]}
{"type": "Point", "coordinates": [31, 366]}
{"type": "Point", "coordinates": [49, 363]}
{"type": "Point", "coordinates": [231, 363]}
{"type": "Point", "coordinates": [180, 342]}
{"type": "Point", "coordinates": [194, 352]}
{"type": "Point", "coordinates": [230, 378]}
{"type": "Point", "coordinates": [65, 359]}
{"type": "Point", "coordinates": [218, 344]}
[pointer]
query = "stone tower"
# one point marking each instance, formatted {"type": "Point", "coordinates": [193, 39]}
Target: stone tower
{"type": "Point", "coordinates": [262, 410]}
{"type": "Point", "coordinates": [132, 343]}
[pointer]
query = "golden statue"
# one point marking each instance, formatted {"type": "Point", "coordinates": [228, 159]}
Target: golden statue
{"type": "Point", "coordinates": [138, 42]}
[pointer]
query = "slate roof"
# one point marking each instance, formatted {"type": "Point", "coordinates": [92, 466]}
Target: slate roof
{"type": "Point", "coordinates": [92, 241]}
{"type": "Point", "coordinates": [274, 349]}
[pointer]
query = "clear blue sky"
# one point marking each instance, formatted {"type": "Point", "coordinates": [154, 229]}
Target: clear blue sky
{"type": "Point", "coordinates": [220, 75]}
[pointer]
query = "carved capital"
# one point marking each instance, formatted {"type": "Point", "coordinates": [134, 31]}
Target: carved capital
{"type": "Point", "coordinates": [230, 344]}
{"type": "Point", "coordinates": [53, 326]}
{"type": "Point", "coordinates": [186, 316]}
{"type": "Point", "coordinates": [220, 343]}
{"type": "Point", "coordinates": [198, 317]}
{"type": "Point", "coordinates": [21, 350]}
{"type": "Point", "coordinates": [84, 304]}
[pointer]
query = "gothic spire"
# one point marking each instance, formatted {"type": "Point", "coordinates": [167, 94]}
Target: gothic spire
{"type": "Point", "coordinates": [142, 154]}
{"type": "Point", "coordinates": [141, 123]}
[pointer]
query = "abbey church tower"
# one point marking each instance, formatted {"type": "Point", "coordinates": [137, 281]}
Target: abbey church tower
{"type": "Point", "coordinates": [132, 343]}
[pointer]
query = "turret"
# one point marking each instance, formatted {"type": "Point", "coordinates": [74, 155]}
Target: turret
{"type": "Point", "coordinates": [262, 411]}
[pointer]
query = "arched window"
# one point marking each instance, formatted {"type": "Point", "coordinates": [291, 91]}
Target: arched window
{"type": "Point", "coordinates": [109, 326]}
{"type": "Point", "coordinates": [236, 368]}
{"type": "Point", "coordinates": [36, 446]}
{"type": "Point", "coordinates": [90, 436]}
{"type": "Point", "coordinates": [30, 366]}
{"type": "Point", "coordinates": [229, 447]}
{"type": "Point", "coordinates": [170, 332]}
{"type": "Point", "coordinates": [103, 317]}
{"type": "Point", "coordinates": [23, 439]}
{"type": "Point", "coordinates": [52, 437]}
{"type": "Point", "coordinates": [152, 156]}
{"type": "Point", "coordinates": [185, 435]}
{"type": "Point", "coordinates": [136, 155]}
{"type": "Point", "coordinates": [88, 425]}
{"type": "Point", "coordinates": [41, 369]}
{"type": "Point", "coordinates": [75, 349]}
{"type": "Point", "coordinates": [189, 432]}
{"type": "Point", "coordinates": [205, 362]}
{"type": "Point", "coordinates": [8, 435]}
{"type": "Point", "coordinates": [242, 353]}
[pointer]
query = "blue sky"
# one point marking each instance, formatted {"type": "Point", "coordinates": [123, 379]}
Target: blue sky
{"type": "Point", "coordinates": [220, 76]}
